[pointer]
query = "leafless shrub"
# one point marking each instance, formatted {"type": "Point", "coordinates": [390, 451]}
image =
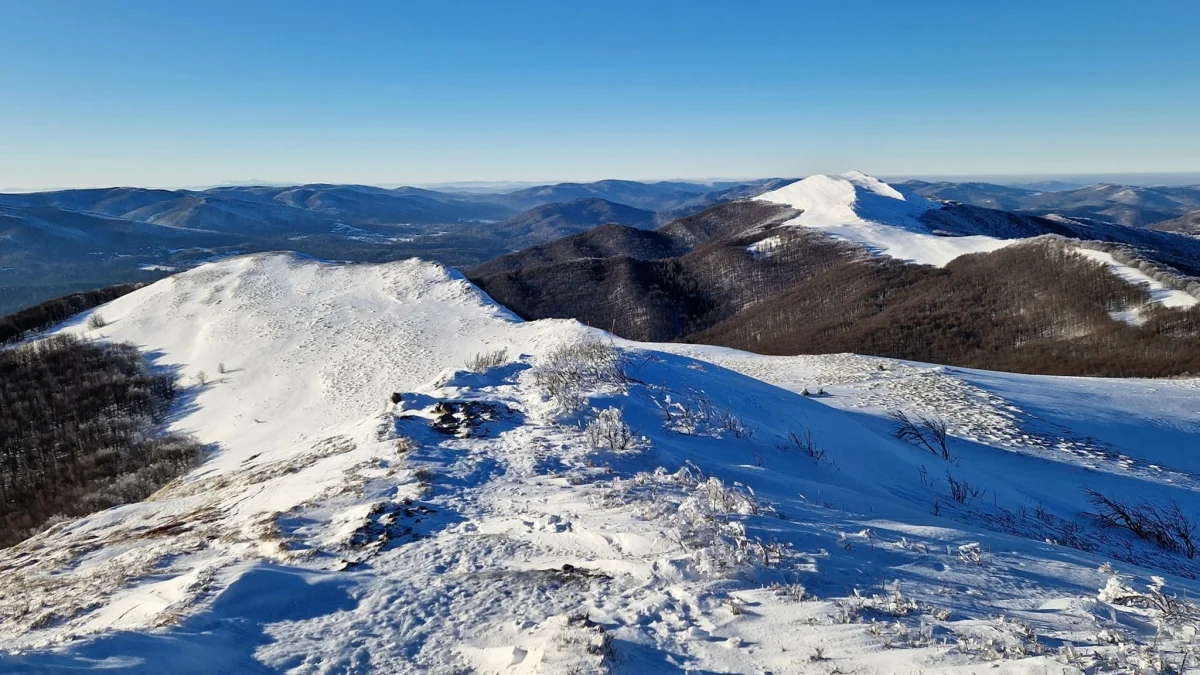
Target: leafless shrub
{"type": "Point", "coordinates": [927, 432]}
{"type": "Point", "coordinates": [570, 371]}
{"type": "Point", "coordinates": [804, 443]}
{"type": "Point", "coordinates": [963, 492]}
{"type": "Point", "coordinates": [202, 378]}
{"type": "Point", "coordinates": [609, 430]}
{"type": "Point", "coordinates": [733, 424]}
{"type": "Point", "coordinates": [692, 412]}
{"type": "Point", "coordinates": [96, 322]}
{"type": "Point", "coordinates": [221, 368]}
{"type": "Point", "coordinates": [486, 360]}
{"type": "Point", "coordinates": [1167, 527]}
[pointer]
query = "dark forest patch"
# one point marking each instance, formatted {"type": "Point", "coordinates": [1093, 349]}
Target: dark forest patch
{"type": "Point", "coordinates": [79, 432]}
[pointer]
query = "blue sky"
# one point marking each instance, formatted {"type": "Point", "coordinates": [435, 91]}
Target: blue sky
{"type": "Point", "coordinates": [170, 94]}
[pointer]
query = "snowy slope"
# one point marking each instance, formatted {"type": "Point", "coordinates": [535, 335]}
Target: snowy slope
{"type": "Point", "coordinates": [1159, 293]}
{"type": "Point", "coordinates": [869, 212]}
{"type": "Point", "coordinates": [744, 528]}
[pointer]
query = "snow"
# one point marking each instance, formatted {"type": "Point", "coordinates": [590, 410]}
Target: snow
{"type": "Point", "coordinates": [764, 248]}
{"type": "Point", "coordinates": [1159, 293]}
{"type": "Point", "coordinates": [865, 210]}
{"type": "Point", "coordinates": [329, 532]}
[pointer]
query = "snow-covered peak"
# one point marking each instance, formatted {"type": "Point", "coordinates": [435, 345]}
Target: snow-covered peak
{"type": "Point", "coordinates": [849, 199]}
{"type": "Point", "coordinates": [875, 215]}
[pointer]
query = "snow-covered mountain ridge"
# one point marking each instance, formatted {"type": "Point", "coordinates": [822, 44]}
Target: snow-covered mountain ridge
{"type": "Point", "coordinates": [486, 525]}
{"type": "Point", "coordinates": [869, 212]}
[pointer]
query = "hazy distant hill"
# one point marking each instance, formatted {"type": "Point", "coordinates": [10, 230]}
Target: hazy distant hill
{"type": "Point", "coordinates": [551, 221]}
{"type": "Point", "coordinates": [68, 240]}
{"type": "Point", "coordinates": [1188, 223]}
{"type": "Point", "coordinates": [1123, 204]}
{"type": "Point", "coordinates": [661, 196]}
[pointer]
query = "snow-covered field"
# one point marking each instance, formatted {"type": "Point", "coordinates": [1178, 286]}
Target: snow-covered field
{"type": "Point", "coordinates": [488, 524]}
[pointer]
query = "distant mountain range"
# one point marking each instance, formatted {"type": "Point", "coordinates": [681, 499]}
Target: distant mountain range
{"type": "Point", "coordinates": [1152, 207]}
{"type": "Point", "coordinates": [57, 242]}
{"type": "Point", "coordinates": [824, 265]}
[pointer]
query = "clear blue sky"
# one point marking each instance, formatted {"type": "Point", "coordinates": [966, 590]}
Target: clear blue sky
{"type": "Point", "coordinates": [110, 92]}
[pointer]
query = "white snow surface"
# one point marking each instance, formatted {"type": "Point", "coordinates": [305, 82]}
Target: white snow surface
{"type": "Point", "coordinates": [745, 528]}
{"type": "Point", "coordinates": [865, 210]}
{"type": "Point", "coordinates": [1159, 293]}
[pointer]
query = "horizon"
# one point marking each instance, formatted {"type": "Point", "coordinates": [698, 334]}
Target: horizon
{"type": "Point", "coordinates": [151, 95]}
{"type": "Point", "coordinates": [1135, 179]}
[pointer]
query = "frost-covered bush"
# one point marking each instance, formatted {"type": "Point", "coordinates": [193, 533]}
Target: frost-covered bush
{"type": "Point", "coordinates": [705, 518]}
{"type": "Point", "coordinates": [571, 372]}
{"type": "Point", "coordinates": [693, 413]}
{"type": "Point", "coordinates": [1116, 592]}
{"type": "Point", "coordinates": [971, 553]}
{"type": "Point", "coordinates": [609, 430]}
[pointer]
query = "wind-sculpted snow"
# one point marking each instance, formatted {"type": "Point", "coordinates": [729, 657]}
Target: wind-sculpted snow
{"type": "Point", "coordinates": [694, 513]}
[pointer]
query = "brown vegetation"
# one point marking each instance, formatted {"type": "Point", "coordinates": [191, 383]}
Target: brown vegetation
{"type": "Point", "coordinates": [77, 432]}
{"type": "Point", "coordinates": [1036, 307]}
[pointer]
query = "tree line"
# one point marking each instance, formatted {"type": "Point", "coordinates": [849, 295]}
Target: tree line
{"type": "Point", "coordinates": [41, 316]}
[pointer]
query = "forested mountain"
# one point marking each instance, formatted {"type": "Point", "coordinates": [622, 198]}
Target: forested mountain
{"type": "Point", "coordinates": [660, 196]}
{"type": "Point", "coordinates": [799, 270]}
{"type": "Point", "coordinates": [1188, 223]}
{"type": "Point", "coordinates": [58, 242]}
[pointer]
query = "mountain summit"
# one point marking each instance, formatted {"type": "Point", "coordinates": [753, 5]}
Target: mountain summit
{"type": "Point", "coordinates": [869, 212]}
